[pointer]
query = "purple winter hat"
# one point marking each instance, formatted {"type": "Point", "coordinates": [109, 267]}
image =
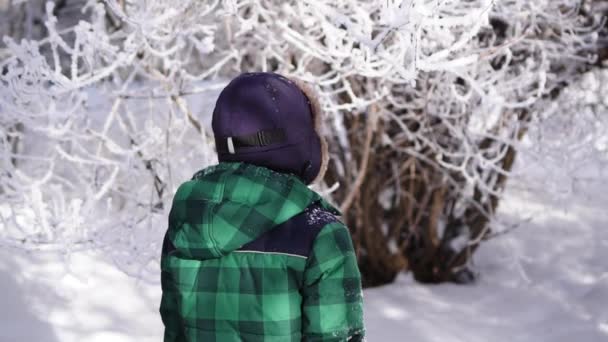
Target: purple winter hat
{"type": "Point", "coordinates": [265, 119]}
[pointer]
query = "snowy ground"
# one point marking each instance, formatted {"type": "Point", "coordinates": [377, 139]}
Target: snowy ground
{"type": "Point", "coordinates": [545, 281]}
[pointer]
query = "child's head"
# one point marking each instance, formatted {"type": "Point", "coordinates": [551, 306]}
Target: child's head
{"type": "Point", "coordinates": [268, 120]}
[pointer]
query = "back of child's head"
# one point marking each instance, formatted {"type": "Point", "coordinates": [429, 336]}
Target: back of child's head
{"type": "Point", "coordinates": [267, 120]}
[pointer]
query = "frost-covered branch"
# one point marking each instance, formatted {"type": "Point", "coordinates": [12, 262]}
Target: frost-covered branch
{"type": "Point", "coordinates": [105, 114]}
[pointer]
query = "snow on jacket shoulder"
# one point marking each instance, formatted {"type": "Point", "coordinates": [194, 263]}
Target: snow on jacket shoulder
{"type": "Point", "coordinates": [255, 255]}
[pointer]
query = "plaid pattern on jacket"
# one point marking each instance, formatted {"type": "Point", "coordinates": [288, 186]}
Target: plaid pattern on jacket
{"type": "Point", "coordinates": [254, 255]}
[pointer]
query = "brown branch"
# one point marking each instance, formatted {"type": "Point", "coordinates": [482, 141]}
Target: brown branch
{"type": "Point", "coordinates": [372, 121]}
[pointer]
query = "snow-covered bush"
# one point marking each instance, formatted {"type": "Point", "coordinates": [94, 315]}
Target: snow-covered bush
{"type": "Point", "coordinates": [102, 118]}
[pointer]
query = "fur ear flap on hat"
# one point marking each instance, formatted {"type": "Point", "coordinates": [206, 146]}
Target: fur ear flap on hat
{"type": "Point", "coordinates": [315, 107]}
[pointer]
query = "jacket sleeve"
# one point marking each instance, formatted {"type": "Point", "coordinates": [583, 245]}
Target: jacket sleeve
{"type": "Point", "coordinates": [168, 303]}
{"type": "Point", "coordinates": [332, 305]}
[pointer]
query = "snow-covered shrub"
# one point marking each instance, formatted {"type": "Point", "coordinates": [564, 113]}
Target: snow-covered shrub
{"type": "Point", "coordinates": [425, 100]}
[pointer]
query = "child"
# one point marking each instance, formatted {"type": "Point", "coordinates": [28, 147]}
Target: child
{"type": "Point", "coordinates": [251, 253]}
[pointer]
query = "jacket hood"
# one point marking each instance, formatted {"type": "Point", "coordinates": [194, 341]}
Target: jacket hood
{"type": "Point", "coordinates": [228, 205]}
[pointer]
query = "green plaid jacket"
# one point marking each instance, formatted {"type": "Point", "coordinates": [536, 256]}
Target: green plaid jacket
{"type": "Point", "coordinates": [254, 255]}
